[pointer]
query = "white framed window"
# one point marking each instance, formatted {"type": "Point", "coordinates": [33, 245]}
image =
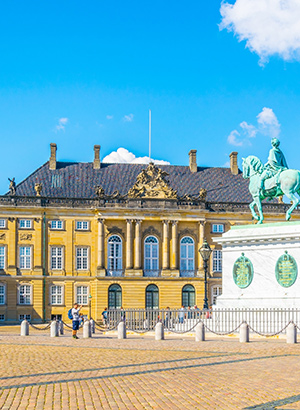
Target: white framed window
{"type": "Point", "coordinates": [215, 292]}
{"type": "Point", "coordinates": [2, 294]}
{"type": "Point", "coordinates": [82, 258]}
{"type": "Point", "coordinates": [23, 317]}
{"type": "Point", "coordinates": [217, 261]}
{"type": "Point", "coordinates": [25, 257]}
{"type": "Point", "coordinates": [2, 257]}
{"type": "Point", "coordinates": [56, 294]}
{"type": "Point", "coordinates": [187, 254]}
{"type": "Point", "coordinates": [82, 225]}
{"type": "Point", "coordinates": [114, 255]}
{"type": "Point", "coordinates": [25, 294]}
{"type": "Point", "coordinates": [82, 293]}
{"type": "Point", "coordinates": [2, 317]}
{"type": "Point", "coordinates": [217, 228]}
{"type": "Point", "coordinates": [56, 224]}
{"type": "Point", "coordinates": [2, 223]}
{"type": "Point", "coordinates": [56, 257]}
{"type": "Point", "coordinates": [151, 255]}
{"type": "Point", "coordinates": [25, 223]}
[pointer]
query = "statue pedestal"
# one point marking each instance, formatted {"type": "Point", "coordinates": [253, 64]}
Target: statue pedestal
{"type": "Point", "coordinates": [261, 266]}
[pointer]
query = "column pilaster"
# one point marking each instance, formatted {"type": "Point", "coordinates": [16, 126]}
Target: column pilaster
{"type": "Point", "coordinates": [166, 247]}
{"type": "Point", "coordinates": [200, 243]}
{"type": "Point", "coordinates": [137, 251]}
{"type": "Point", "coordinates": [100, 256]}
{"type": "Point", "coordinates": [129, 253]}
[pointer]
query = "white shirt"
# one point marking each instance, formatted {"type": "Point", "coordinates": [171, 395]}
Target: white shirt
{"type": "Point", "coordinates": [75, 313]}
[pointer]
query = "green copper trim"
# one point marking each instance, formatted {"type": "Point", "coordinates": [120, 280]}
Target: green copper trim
{"type": "Point", "coordinates": [242, 272]}
{"type": "Point", "coordinates": [286, 270]}
{"type": "Point", "coordinates": [259, 226]}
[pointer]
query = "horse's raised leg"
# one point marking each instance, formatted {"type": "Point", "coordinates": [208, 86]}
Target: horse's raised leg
{"type": "Point", "coordinates": [254, 214]}
{"type": "Point", "coordinates": [295, 202]}
{"type": "Point", "coordinates": [259, 207]}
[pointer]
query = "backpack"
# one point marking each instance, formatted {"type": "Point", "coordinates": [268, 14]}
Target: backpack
{"type": "Point", "coordinates": [70, 316]}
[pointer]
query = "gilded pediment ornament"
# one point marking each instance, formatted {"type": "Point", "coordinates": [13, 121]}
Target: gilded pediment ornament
{"type": "Point", "coordinates": [152, 182]}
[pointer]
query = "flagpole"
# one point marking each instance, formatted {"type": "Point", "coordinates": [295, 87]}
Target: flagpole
{"type": "Point", "coordinates": [149, 135]}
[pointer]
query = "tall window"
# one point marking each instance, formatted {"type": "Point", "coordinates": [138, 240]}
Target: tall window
{"type": "Point", "coordinates": [114, 255]}
{"type": "Point", "coordinates": [25, 223]}
{"type": "Point", "coordinates": [114, 297]}
{"type": "Point", "coordinates": [82, 295]}
{"type": "Point", "coordinates": [217, 261]}
{"type": "Point", "coordinates": [217, 228]}
{"type": "Point", "coordinates": [187, 256]}
{"type": "Point", "coordinates": [152, 299]}
{"type": "Point", "coordinates": [215, 292]}
{"type": "Point", "coordinates": [25, 257]}
{"type": "Point", "coordinates": [23, 317]}
{"type": "Point", "coordinates": [2, 257]}
{"type": "Point", "coordinates": [25, 294]}
{"type": "Point", "coordinates": [2, 294]}
{"type": "Point", "coordinates": [56, 292]}
{"type": "Point", "coordinates": [82, 258]}
{"type": "Point", "coordinates": [2, 223]}
{"type": "Point", "coordinates": [188, 296]}
{"type": "Point", "coordinates": [82, 225]}
{"type": "Point", "coordinates": [151, 266]}
{"type": "Point", "coordinates": [56, 257]}
{"type": "Point", "coordinates": [56, 224]}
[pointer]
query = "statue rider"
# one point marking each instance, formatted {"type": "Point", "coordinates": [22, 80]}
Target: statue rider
{"type": "Point", "coordinates": [276, 163]}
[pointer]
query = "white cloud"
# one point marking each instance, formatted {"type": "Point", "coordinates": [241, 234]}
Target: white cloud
{"type": "Point", "coordinates": [109, 117]}
{"type": "Point", "coordinates": [267, 124]}
{"type": "Point", "coordinates": [269, 27]}
{"type": "Point", "coordinates": [61, 124]}
{"type": "Point", "coordinates": [128, 118]}
{"type": "Point", "coordinates": [123, 156]}
{"type": "Point", "coordinates": [233, 138]}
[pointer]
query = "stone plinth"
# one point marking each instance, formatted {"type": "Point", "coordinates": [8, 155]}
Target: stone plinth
{"type": "Point", "coordinates": [273, 250]}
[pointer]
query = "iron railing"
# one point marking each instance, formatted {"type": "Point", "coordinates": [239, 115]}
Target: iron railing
{"type": "Point", "coordinates": [187, 273]}
{"type": "Point", "coordinates": [265, 321]}
{"type": "Point", "coordinates": [115, 272]}
{"type": "Point", "coordinates": [151, 273]}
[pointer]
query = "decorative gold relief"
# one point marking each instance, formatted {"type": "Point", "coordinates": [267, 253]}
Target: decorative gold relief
{"type": "Point", "coordinates": [25, 236]}
{"type": "Point", "coordinates": [38, 189]}
{"type": "Point", "coordinates": [152, 183]}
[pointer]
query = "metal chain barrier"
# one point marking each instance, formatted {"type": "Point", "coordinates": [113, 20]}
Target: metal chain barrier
{"type": "Point", "coordinates": [272, 334]}
{"type": "Point", "coordinates": [224, 333]}
{"type": "Point", "coordinates": [40, 328]}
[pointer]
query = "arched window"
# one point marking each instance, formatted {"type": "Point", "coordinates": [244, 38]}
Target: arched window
{"type": "Point", "coordinates": [151, 267]}
{"type": "Point", "coordinates": [187, 256]}
{"type": "Point", "coordinates": [215, 292]}
{"type": "Point", "coordinates": [188, 296]}
{"type": "Point", "coordinates": [114, 251]}
{"type": "Point", "coordinates": [114, 296]}
{"type": "Point", "coordinates": [152, 301]}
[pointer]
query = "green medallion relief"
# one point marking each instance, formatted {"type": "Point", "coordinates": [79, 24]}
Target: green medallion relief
{"type": "Point", "coordinates": [286, 270]}
{"type": "Point", "coordinates": [242, 272]}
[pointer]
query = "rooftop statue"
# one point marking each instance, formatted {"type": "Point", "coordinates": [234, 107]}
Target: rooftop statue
{"type": "Point", "coordinates": [271, 180]}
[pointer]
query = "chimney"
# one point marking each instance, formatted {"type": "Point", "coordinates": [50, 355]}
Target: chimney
{"type": "Point", "coordinates": [193, 160]}
{"type": "Point", "coordinates": [233, 163]}
{"type": "Point", "coordinates": [52, 159]}
{"type": "Point", "coordinates": [97, 157]}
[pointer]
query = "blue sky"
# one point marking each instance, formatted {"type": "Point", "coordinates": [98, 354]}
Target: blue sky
{"type": "Point", "coordinates": [85, 73]}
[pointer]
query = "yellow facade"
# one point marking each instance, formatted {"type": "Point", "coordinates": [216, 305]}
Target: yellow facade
{"type": "Point", "coordinates": [169, 226]}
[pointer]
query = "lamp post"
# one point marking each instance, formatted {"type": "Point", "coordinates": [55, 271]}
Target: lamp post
{"type": "Point", "coordinates": [90, 306]}
{"type": "Point", "coordinates": [205, 252]}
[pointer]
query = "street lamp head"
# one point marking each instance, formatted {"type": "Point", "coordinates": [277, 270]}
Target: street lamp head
{"type": "Point", "coordinates": [205, 251]}
{"type": "Point", "coordinates": [90, 296]}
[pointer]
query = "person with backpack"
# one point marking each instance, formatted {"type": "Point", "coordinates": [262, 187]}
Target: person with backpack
{"type": "Point", "coordinates": [73, 314]}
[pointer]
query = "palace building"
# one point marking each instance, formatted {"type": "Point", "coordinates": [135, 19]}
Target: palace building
{"type": "Point", "coordinates": [116, 235]}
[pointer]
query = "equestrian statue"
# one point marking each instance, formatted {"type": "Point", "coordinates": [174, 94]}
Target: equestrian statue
{"type": "Point", "coordinates": [271, 180]}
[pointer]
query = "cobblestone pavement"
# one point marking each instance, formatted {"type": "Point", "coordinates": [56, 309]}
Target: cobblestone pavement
{"type": "Point", "coordinates": [39, 372]}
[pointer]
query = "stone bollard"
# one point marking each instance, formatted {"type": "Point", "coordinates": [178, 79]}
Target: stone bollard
{"type": "Point", "coordinates": [122, 330]}
{"type": "Point", "coordinates": [291, 333]}
{"type": "Point", "coordinates": [61, 327]}
{"type": "Point", "coordinates": [200, 332]}
{"type": "Point", "coordinates": [92, 322]}
{"type": "Point", "coordinates": [159, 331]}
{"type": "Point", "coordinates": [244, 333]}
{"type": "Point", "coordinates": [54, 329]}
{"type": "Point", "coordinates": [87, 329]}
{"type": "Point", "coordinates": [24, 328]}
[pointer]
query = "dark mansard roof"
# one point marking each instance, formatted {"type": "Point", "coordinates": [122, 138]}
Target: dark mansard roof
{"type": "Point", "coordinates": [78, 180]}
